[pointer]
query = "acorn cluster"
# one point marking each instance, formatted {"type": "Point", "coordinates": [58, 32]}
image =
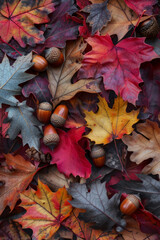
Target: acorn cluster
{"type": "Point", "coordinates": [53, 120]}
{"type": "Point", "coordinates": [53, 56]}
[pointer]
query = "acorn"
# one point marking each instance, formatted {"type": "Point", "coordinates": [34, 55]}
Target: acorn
{"type": "Point", "coordinates": [40, 63]}
{"type": "Point", "coordinates": [54, 56]}
{"type": "Point", "coordinates": [44, 112]}
{"type": "Point", "coordinates": [149, 28]}
{"type": "Point", "coordinates": [50, 136]}
{"type": "Point", "coordinates": [59, 116]}
{"type": "Point", "coordinates": [130, 204]}
{"type": "Point", "coordinates": [98, 155]}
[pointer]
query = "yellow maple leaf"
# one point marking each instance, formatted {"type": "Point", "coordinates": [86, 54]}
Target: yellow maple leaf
{"type": "Point", "coordinates": [45, 210]}
{"type": "Point", "coordinates": [108, 124]}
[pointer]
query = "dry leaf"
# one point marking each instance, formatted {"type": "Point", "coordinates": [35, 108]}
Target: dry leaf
{"type": "Point", "coordinates": [145, 145]}
{"type": "Point", "coordinates": [60, 78]}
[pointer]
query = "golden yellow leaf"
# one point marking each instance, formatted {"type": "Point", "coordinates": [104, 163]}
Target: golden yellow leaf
{"type": "Point", "coordinates": [145, 145]}
{"type": "Point", "coordinates": [60, 78]}
{"type": "Point", "coordinates": [108, 124]}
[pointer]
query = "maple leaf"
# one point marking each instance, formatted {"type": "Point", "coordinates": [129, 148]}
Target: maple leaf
{"type": "Point", "coordinates": [18, 19]}
{"type": "Point", "coordinates": [59, 78]}
{"type": "Point", "coordinates": [122, 20]}
{"type": "Point", "coordinates": [84, 230]}
{"type": "Point", "coordinates": [62, 27]}
{"type": "Point", "coordinates": [12, 76]}
{"type": "Point", "coordinates": [12, 230]}
{"type": "Point", "coordinates": [69, 155]}
{"type": "Point", "coordinates": [98, 15]}
{"type": "Point", "coordinates": [21, 119]}
{"type": "Point", "coordinates": [148, 189]}
{"type": "Point", "coordinates": [39, 88]}
{"type": "Point", "coordinates": [145, 145]}
{"type": "Point", "coordinates": [108, 124]}
{"type": "Point", "coordinates": [140, 5]}
{"type": "Point", "coordinates": [101, 210]}
{"type": "Point", "coordinates": [15, 181]}
{"type": "Point", "coordinates": [45, 210]}
{"type": "Point", "coordinates": [150, 95]}
{"type": "Point", "coordinates": [111, 61]}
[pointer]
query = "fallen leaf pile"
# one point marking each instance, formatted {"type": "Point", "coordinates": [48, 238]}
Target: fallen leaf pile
{"type": "Point", "coordinates": [73, 183]}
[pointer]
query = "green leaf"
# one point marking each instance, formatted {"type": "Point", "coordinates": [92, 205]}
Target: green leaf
{"type": "Point", "coordinates": [12, 76]}
{"type": "Point", "coordinates": [21, 120]}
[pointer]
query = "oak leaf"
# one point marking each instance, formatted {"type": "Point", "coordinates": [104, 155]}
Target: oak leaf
{"type": "Point", "coordinates": [45, 210]}
{"type": "Point", "coordinates": [59, 78]}
{"type": "Point", "coordinates": [69, 155]}
{"type": "Point", "coordinates": [111, 61]}
{"type": "Point", "coordinates": [108, 124]}
{"type": "Point", "coordinates": [17, 20]}
{"type": "Point", "coordinates": [84, 230]}
{"type": "Point", "coordinates": [145, 144]}
{"type": "Point", "coordinates": [22, 120]}
{"type": "Point", "coordinates": [12, 76]}
{"type": "Point", "coordinates": [15, 181]}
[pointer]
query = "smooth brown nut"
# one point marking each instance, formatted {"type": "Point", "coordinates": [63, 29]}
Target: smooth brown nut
{"type": "Point", "coordinates": [130, 204]}
{"type": "Point", "coordinates": [40, 63]}
{"type": "Point", "coordinates": [54, 56]}
{"type": "Point", "coordinates": [50, 135]}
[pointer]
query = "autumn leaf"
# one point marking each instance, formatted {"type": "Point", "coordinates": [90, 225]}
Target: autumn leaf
{"type": "Point", "coordinates": [133, 231]}
{"type": "Point", "coordinates": [12, 76]}
{"type": "Point", "coordinates": [45, 210]}
{"type": "Point", "coordinates": [59, 78]}
{"type": "Point", "coordinates": [98, 17]}
{"type": "Point", "coordinates": [150, 95]}
{"type": "Point", "coordinates": [61, 27]}
{"type": "Point", "coordinates": [12, 230]}
{"type": "Point", "coordinates": [39, 88]}
{"type": "Point", "coordinates": [148, 189]}
{"type": "Point", "coordinates": [140, 5]}
{"type": "Point", "coordinates": [15, 181]}
{"type": "Point", "coordinates": [84, 230]}
{"type": "Point", "coordinates": [22, 120]}
{"type": "Point", "coordinates": [145, 145]}
{"type": "Point", "coordinates": [111, 61]}
{"type": "Point", "coordinates": [69, 155]}
{"type": "Point", "coordinates": [100, 210]}
{"type": "Point", "coordinates": [17, 20]}
{"type": "Point", "coordinates": [108, 124]}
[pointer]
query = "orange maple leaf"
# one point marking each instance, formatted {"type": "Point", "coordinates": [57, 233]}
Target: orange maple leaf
{"type": "Point", "coordinates": [17, 19]}
{"type": "Point", "coordinates": [45, 210]}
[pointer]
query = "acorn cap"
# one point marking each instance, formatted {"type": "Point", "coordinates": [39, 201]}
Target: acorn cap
{"type": "Point", "coordinates": [57, 120]}
{"type": "Point", "coordinates": [45, 106]}
{"type": "Point", "coordinates": [97, 151]}
{"type": "Point", "coordinates": [52, 54]}
{"type": "Point", "coordinates": [149, 28]}
{"type": "Point", "coordinates": [134, 199]}
{"type": "Point", "coordinates": [51, 139]}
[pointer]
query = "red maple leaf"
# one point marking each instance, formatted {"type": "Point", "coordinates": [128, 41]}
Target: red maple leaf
{"type": "Point", "coordinates": [69, 155]}
{"type": "Point", "coordinates": [118, 64]}
{"type": "Point", "coordinates": [140, 5]}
